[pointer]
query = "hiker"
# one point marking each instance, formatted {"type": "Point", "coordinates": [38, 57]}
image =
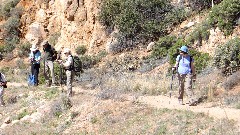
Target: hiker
{"type": "Point", "coordinates": [68, 66]}
{"type": "Point", "coordinates": [35, 57]}
{"type": "Point", "coordinates": [186, 75]}
{"type": "Point", "coordinates": [3, 84]}
{"type": "Point", "coordinates": [48, 63]}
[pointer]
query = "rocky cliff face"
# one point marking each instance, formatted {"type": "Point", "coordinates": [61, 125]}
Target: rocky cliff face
{"type": "Point", "coordinates": [74, 20]}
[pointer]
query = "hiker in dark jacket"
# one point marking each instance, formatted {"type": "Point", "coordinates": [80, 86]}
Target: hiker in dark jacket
{"type": "Point", "coordinates": [3, 83]}
{"type": "Point", "coordinates": [35, 57]}
{"type": "Point", "coordinates": [186, 73]}
{"type": "Point", "coordinates": [48, 63]}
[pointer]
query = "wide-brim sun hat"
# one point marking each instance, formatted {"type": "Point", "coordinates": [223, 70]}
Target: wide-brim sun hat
{"type": "Point", "coordinates": [34, 48]}
{"type": "Point", "coordinates": [66, 50]}
{"type": "Point", "coordinates": [45, 42]}
{"type": "Point", "coordinates": [184, 48]}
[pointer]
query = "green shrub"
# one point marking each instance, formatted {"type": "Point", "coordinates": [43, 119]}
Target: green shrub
{"type": "Point", "coordinates": [227, 56]}
{"type": "Point", "coordinates": [162, 45]}
{"type": "Point", "coordinates": [201, 60]}
{"type": "Point", "coordinates": [199, 34]}
{"type": "Point", "coordinates": [24, 49]}
{"type": "Point", "coordinates": [225, 15]}
{"type": "Point", "coordinates": [11, 33]}
{"type": "Point", "coordinates": [54, 38]}
{"type": "Point", "coordinates": [81, 50]}
{"type": "Point", "coordinates": [198, 5]}
{"type": "Point", "coordinates": [231, 81]}
{"type": "Point", "coordinates": [7, 7]}
{"type": "Point", "coordinates": [140, 20]}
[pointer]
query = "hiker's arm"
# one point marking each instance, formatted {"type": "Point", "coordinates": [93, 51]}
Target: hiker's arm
{"type": "Point", "coordinates": [3, 83]}
{"type": "Point", "coordinates": [175, 66]}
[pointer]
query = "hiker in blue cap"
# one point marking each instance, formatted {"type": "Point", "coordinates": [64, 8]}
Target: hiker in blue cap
{"type": "Point", "coordinates": [186, 74]}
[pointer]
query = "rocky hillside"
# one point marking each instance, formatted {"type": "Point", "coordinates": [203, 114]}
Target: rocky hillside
{"type": "Point", "coordinates": [123, 91]}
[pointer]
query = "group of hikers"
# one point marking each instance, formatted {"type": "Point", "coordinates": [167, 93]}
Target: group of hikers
{"type": "Point", "coordinates": [49, 56]}
{"type": "Point", "coordinates": [184, 66]}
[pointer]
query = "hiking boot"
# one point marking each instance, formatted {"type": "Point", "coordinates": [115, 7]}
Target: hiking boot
{"type": "Point", "coordinates": [180, 102]}
{"type": "Point", "coordinates": [47, 85]}
{"type": "Point", "coordinates": [194, 103]}
{"type": "Point", "coordinates": [53, 85]}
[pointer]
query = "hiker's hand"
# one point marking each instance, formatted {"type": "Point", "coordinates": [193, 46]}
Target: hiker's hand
{"type": "Point", "coordinates": [59, 61]}
{"type": "Point", "coordinates": [174, 68]}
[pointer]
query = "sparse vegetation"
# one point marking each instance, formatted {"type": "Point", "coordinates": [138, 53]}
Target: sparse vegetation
{"type": "Point", "coordinates": [24, 49]}
{"type": "Point", "coordinates": [54, 38]}
{"type": "Point", "coordinates": [225, 15]}
{"type": "Point", "coordinates": [81, 50]}
{"type": "Point", "coordinates": [227, 56]}
{"type": "Point", "coordinates": [141, 19]}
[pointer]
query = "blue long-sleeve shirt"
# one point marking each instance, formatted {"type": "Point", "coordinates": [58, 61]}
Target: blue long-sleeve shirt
{"type": "Point", "coordinates": [35, 57]}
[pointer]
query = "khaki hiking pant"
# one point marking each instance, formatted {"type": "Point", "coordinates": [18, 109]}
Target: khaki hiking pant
{"type": "Point", "coordinates": [185, 81]}
{"type": "Point", "coordinates": [49, 66]}
{"type": "Point", "coordinates": [70, 75]}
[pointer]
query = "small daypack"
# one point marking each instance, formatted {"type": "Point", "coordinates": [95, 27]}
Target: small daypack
{"type": "Point", "coordinates": [181, 58]}
{"type": "Point", "coordinates": [31, 80]}
{"type": "Point", "coordinates": [77, 64]}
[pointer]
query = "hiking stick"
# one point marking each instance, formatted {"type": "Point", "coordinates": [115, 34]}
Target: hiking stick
{"type": "Point", "coordinates": [44, 69]}
{"type": "Point", "coordinates": [61, 74]}
{"type": "Point", "coordinates": [171, 86]}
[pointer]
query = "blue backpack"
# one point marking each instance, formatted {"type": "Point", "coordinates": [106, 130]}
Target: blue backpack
{"type": "Point", "coordinates": [31, 80]}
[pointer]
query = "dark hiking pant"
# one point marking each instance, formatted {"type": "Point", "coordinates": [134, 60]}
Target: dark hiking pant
{"type": "Point", "coordinates": [35, 71]}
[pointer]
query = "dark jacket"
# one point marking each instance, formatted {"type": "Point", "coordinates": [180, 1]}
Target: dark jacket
{"type": "Point", "coordinates": [49, 52]}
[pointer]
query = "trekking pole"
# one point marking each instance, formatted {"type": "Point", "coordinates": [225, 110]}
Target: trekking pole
{"type": "Point", "coordinates": [61, 78]}
{"type": "Point", "coordinates": [171, 86]}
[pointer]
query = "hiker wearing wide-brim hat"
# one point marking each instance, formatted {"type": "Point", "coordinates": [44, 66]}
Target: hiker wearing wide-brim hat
{"type": "Point", "coordinates": [68, 66]}
{"type": "Point", "coordinates": [48, 60]}
{"type": "Point", "coordinates": [186, 74]}
{"type": "Point", "coordinates": [35, 58]}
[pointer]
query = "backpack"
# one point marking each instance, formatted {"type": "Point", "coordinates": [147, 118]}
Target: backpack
{"type": "Point", "coordinates": [54, 54]}
{"type": "Point", "coordinates": [190, 60]}
{"type": "Point", "coordinates": [31, 80]}
{"type": "Point", "coordinates": [4, 86]}
{"type": "Point", "coordinates": [77, 64]}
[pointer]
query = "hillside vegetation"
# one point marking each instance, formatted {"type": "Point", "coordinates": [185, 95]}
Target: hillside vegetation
{"type": "Point", "coordinates": [107, 95]}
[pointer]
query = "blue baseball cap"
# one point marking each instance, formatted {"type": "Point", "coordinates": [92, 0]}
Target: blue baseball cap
{"type": "Point", "coordinates": [184, 49]}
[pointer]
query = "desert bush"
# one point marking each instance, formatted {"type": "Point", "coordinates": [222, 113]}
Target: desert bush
{"type": "Point", "coordinates": [199, 34]}
{"type": "Point", "coordinates": [20, 64]}
{"type": "Point", "coordinates": [227, 56]}
{"type": "Point", "coordinates": [231, 81]}
{"type": "Point", "coordinates": [140, 21]}
{"type": "Point", "coordinates": [11, 33]}
{"type": "Point", "coordinates": [225, 15]}
{"type": "Point", "coordinates": [53, 38]}
{"type": "Point", "coordinates": [7, 7]}
{"type": "Point", "coordinates": [89, 61]}
{"type": "Point", "coordinates": [198, 5]}
{"type": "Point", "coordinates": [162, 46]}
{"type": "Point", "coordinates": [24, 49]}
{"type": "Point", "coordinates": [52, 93]}
{"type": "Point", "coordinates": [60, 105]}
{"type": "Point", "coordinates": [81, 50]}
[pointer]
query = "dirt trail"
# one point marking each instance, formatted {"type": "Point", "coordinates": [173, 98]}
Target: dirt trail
{"type": "Point", "coordinates": [219, 112]}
